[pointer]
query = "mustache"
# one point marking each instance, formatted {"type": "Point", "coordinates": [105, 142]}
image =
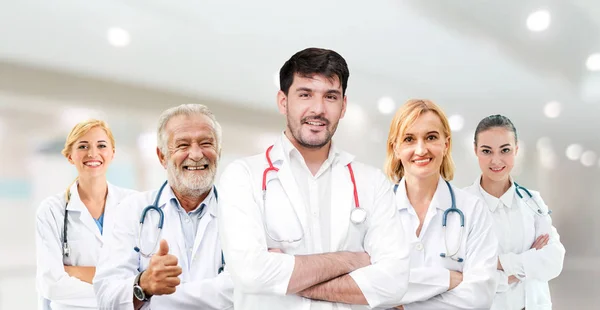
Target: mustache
{"type": "Point", "coordinates": [315, 118]}
{"type": "Point", "coordinates": [191, 163]}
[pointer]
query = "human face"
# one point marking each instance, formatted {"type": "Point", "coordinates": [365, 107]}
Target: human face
{"type": "Point", "coordinates": [191, 159]}
{"type": "Point", "coordinates": [496, 150]}
{"type": "Point", "coordinates": [422, 147]}
{"type": "Point", "coordinates": [92, 153]}
{"type": "Point", "coordinates": [313, 108]}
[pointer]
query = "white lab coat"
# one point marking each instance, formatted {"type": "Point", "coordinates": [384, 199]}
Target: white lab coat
{"type": "Point", "coordinates": [261, 278]}
{"type": "Point", "coordinates": [430, 273]}
{"type": "Point", "coordinates": [201, 286]}
{"type": "Point", "coordinates": [56, 288]}
{"type": "Point", "coordinates": [540, 266]}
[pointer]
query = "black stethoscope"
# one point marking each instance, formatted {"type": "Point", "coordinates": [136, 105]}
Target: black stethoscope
{"type": "Point", "coordinates": [452, 208]}
{"type": "Point", "coordinates": [357, 216]}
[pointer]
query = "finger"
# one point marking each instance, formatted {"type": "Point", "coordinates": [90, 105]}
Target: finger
{"type": "Point", "coordinates": [171, 271]}
{"type": "Point", "coordinates": [163, 249]}
{"type": "Point", "coordinates": [169, 260]}
{"type": "Point", "coordinates": [171, 281]}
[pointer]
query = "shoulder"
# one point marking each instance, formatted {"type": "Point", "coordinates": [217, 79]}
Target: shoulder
{"type": "Point", "coordinates": [51, 205]}
{"type": "Point", "coordinates": [468, 201]}
{"type": "Point", "coordinates": [121, 192]}
{"type": "Point", "coordinates": [246, 165]}
{"type": "Point", "coordinates": [472, 189]}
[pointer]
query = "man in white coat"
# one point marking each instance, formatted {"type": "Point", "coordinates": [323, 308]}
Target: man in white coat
{"type": "Point", "coordinates": [183, 271]}
{"type": "Point", "coordinates": [303, 225]}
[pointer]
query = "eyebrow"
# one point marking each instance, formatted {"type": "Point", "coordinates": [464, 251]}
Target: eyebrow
{"type": "Point", "coordinates": [489, 147]}
{"type": "Point", "coordinates": [329, 91]}
{"type": "Point", "coordinates": [428, 133]}
{"type": "Point", "coordinates": [82, 142]}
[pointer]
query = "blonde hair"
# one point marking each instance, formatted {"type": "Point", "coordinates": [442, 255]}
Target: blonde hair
{"type": "Point", "coordinates": [406, 117]}
{"type": "Point", "coordinates": [81, 129]}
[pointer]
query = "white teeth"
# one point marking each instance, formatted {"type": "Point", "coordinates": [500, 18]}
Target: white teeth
{"type": "Point", "coordinates": [497, 169]}
{"type": "Point", "coordinates": [196, 168]}
{"type": "Point", "coordinates": [421, 161]}
{"type": "Point", "coordinates": [93, 164]}
{"type": "Point", "coordinates": [315, 123]}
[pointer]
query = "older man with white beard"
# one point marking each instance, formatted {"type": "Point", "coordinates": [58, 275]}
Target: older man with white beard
{"type": "Point", "coordinates": [181, 265]}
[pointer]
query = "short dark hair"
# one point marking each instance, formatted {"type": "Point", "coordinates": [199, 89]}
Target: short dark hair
{"type": "Point", "coordinates": [313, 61]}
{"type": "Point", "coordinates": [495, 121]}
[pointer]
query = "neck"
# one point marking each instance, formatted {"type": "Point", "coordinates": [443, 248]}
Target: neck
{"type": "Point", "coordinates": [313, 157]}
{"type": "Point", "coordinates": [420, 191]}
{"type": "Point", "coordinates": [189, 202]}
{"type": "Point", "coordinates": [92, 192]}
{"type": "Point", "coordinates": [495, 188]}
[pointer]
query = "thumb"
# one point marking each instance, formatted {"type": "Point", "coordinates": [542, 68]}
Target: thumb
{"type": "Point", "coordinates": [164, 248]}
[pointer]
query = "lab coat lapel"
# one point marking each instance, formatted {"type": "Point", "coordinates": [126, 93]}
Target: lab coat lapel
{"type": "Point", "coordinates": [291, 190]}
{"type": "Point", "coordinates": [174, 235]}
{"type": "Point", "coordinates": [209, 215]}
{"type": "Point", "coordinates": [112, 200]}
{"type": "Point", "coordinates": [342, 200]}
{"type": "Point", "coordinates": [76, 205]}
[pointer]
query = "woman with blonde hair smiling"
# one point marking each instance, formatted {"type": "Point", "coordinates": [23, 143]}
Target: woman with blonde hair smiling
{"type": "Point", "coordinates": [453, 248]}
{"type": "Point", "coordinates": [70, 224]}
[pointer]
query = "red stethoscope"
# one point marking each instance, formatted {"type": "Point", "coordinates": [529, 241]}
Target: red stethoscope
{"type": "Point", "coordinates": [357, 216]}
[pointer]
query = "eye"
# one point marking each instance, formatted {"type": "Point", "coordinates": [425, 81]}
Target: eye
{"type": "Point", "coordinates": [432, 137]}
{"type": "Point", "coordinates": [182, 145]}
{"type": "Point", "coordinates": [331, 97]}
{"type": "Point", "coordinates": [505, 150]}
{"type": "Point", "coordinates": [82, 147]}
{"type": "Point", "coordinates": [102, 146]}
{"type": "Point", "coordinates": [408, 139]}
{"type": "Point", "coordinates": [304, 95]}
{"type": "Point", "coordinates": [486, 151]}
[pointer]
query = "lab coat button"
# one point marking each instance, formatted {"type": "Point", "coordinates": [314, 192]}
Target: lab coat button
{"type": "Point", "coordinates": [419, 246]}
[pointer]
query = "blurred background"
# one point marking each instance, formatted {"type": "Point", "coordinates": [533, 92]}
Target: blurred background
{"type": "Point", "coordinates": [537, 62]}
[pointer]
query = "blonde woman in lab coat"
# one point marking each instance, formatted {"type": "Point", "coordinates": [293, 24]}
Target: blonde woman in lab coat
{"type": "Point", "coordinates": [449, 269]}
{"type": "Point", "coordinates": [65, 269]}
{"type": "Point", "coordinates": [530, 250]}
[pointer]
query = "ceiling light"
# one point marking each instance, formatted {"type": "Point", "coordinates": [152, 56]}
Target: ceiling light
{"type": "Point", "coordinates": [588, 158]}
{"type": "Point", "coordinates": [574, 151]}
{"type": "Point", "coordinates": [552, 109]}
{"type": "Point", "coordinates": [456, 122]}
{"type": "Point", "coordinates": [118, 37]}
{"type": "Point", "coordinates": [538, 21]}
{"type": "Point", "coordinates": [548, 159]}
{"type": "Point", "coordinates": [386, 105]}
{"type": "Point", "coordinates": [593, 62]}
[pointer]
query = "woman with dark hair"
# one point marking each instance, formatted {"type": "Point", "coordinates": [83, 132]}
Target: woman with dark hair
{"type": "Point", "coordinates": [530, 252]}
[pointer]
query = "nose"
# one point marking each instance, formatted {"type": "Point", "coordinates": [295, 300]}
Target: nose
{"type": "Point", "coordinates": [93, 151]}
{"type": "Point", "coordinates": [195, 152]}
{"type": "Point", "coordinates": [420, 148]}
{"type": "Point", "coordinates": [318, 106]}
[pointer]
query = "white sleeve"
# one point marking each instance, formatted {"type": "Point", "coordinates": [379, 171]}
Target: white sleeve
{"type": "Point", "coordinates": [252, 267]}
{"type": "Point", "coordinates": [53, 282]}
{"type": "Point", "coordinates": [478, 287]}
{"type": "Point", "coordinates": [209, 294]}
{"type": "Point", "coordinates": [118, 264]}
{"type": "Point", "coordinates": [384, 282]}
{"type": "Point", "coordinates": [426, 282]}
{"type": "Point", "coordinates": [544, 264]}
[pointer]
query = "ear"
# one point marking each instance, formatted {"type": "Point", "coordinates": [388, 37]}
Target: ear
{"type": "Point", "coordinates": [475, 148]}
{"type": "Point", "coordinates": [516, 149]}
{"type": "Point", "coordinates": [396, 150]}
{"type": "Point", "coordinates": [446, 145]}
{"type": "Point", "coordinates": [344, 105]}
{"type": "Point", "coordinates": [161, 158]}
{"type": "Point", "coordinates": [282, 102]}
{"type": "Point", "coordinates": [70, 160]}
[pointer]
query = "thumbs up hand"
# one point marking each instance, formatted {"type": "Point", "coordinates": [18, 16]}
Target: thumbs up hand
{"type": "Point", "coordinates": [161, 276]}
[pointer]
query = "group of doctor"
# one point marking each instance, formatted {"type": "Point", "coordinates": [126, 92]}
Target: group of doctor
{"type": "Point", "coordinates": [303, 225]}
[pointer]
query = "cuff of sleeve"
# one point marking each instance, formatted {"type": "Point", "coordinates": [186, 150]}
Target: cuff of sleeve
{"type": "Point", "coordinates": [501, 281]}
{"type": "Point", "coordinates": [512, 264]}
{"type": "Point", "coordinates": [287, 268]}
{"type": "Point", "coordinates": [361, 278]}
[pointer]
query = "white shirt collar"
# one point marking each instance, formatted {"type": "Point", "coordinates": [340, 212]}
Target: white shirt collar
{"type": "Point", "coordinates": [492, 202]}
{"type": "Point", "coordinates": [441, 198]}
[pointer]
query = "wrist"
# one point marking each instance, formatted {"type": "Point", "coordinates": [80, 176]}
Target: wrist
{"type": "Point", "coordinates": [140, 288]}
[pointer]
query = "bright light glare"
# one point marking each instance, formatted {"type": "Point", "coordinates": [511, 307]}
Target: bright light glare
{"type": "Point", "coordinates": [574, 151]}
{"type": "Point", "coordinates": [538, 21]}
{"type": "Point", "coordinates": [552, 109]}
{"type": "Point", "coordinates": [386, 105]}
{"type": "Point", "coordinates": [457, 122]}
{"type": "Point", "coordinates": [118, 37]}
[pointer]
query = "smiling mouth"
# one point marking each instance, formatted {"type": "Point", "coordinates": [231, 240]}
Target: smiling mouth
{"type": "Point", "coordinates": [421, 161]}
{"type": "Point", "coordinates": [497, 169]}
{"type": "Point", "coordinates": [92, 163]}
{"type": "Point", "coordinates": [195, 168]}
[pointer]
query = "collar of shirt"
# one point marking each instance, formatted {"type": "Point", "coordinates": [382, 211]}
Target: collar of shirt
{"type": "Point", "coordinates": [292, 153]}
{"type": "Point", "coordinates": [492, 202]}
{"type": "Point", "coordinates": [441, 198]}
{"type": "Point", "coordinates": [168, 199]}
{"type": "Point", "coordinates": [75, 203]}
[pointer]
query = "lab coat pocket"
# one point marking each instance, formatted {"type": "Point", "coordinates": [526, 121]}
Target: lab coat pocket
{"type": "Point", "coordinates": [81, 253]}
{"type": "Point", "coordinates": [282, 224]}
